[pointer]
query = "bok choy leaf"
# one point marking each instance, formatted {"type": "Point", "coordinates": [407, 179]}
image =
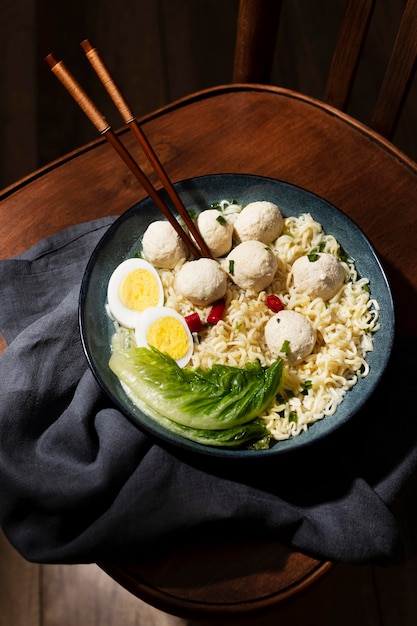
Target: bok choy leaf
{"type": "Point", "coordinates": [220, 398]}
{"type": "Point", "coordinates": [252, 435]}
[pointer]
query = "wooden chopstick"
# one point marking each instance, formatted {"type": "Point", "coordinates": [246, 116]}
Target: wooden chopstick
{"type": "Point", "coordinates": [130, 119]}
{"type": "Point", "coordinates": [104, 128]}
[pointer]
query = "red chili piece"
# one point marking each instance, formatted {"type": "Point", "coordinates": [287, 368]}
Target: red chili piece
{"type": "Point", "coordinates": [216, 313]}
{"type": "Point", "coordinates": [274, 303]}
{"type": "Point", "coordinates": [194, 322]}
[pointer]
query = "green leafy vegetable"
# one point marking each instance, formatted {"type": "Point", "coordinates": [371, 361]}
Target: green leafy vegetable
{"type": "Point", "coordinates": [285, 348]}
{"type": "Point", "coordinates": [305, 386]}
{"type": "Point", "coordinates": [231, 267]}
{"type": "Point", "coordinates": [343, 256]}
{"type": "Point", "coordinates": [216, 399]}
{"type": "Point", "coordinates": [254, 434]}
{"type": "Point", "coordinates": [221, 220]}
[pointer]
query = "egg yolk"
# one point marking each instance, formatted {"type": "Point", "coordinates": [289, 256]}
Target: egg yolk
{"type": "Point", "coordinates": [139, 290]}
{"type": "Point", "coordinates": [168, 335]}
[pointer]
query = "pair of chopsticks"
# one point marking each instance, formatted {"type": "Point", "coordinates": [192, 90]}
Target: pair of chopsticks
{"type": "Point", "coordinates": [101, 124]}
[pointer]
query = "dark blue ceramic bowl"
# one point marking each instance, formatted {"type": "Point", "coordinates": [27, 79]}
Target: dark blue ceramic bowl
{"type": "Point", "coordinates": [123, 239]}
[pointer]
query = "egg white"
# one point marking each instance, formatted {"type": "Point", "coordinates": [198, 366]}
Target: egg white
{"type": "Point", "coordinates": [123, 314]}
{"type": "Point", "coordinates": [153, 314]}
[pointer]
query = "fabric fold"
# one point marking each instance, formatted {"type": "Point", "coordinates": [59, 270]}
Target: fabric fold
{"type": "Point", "coordinates": [79, 482]}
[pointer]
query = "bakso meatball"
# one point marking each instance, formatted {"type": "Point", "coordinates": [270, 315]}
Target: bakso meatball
{"type": "Point", "coordinates": [252, 265]}
{"type": "Point", "coordinates": [290, 335]}
{"type": "Point", "coordinates": [216, 231]}
{"type": "Point", "coordinates": [201, 281]}
{"type": "Point", "coordinates": [320, 277]}
{"type": "Point", "coordinates": [162, 246]}
{"type": "Point", "coordinates": [260, 221]}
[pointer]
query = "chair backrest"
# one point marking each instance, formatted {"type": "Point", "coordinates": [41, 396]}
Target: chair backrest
{"type": "Point", "coordinates": [257, 31]}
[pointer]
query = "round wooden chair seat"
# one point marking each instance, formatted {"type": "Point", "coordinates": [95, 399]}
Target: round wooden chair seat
{"type": "Point", "coordinates": [223, 580]}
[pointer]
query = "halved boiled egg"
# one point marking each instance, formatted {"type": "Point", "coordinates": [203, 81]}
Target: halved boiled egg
{"type": "Point", "coordinates": [133, 287]}
{"type": "Point", "coordinates": [167, 331]}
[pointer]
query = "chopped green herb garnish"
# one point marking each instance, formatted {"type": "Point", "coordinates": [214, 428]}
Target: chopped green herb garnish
{"type": "Point", "coordinates": [293, 417]}
{"type": "Point", "coordinates": [261, 444]}
{"type": "Point", "coordinates": [305, 386]}
{"type": "Point", "coordinates": [192, 213]}
{"type": "Point", "coordinates": [231, 267]}
{"type": "Point", "coordinates": [313, 256]}
{"type": "Point", "coordinates": [221, 220]}
{"type": "Point", "coordinates": [342, 255]}
{"type": "Point", "coordinates": [215, 205]}
{"type": "Point", "coordinates": [366, 288]}
{"type": "Point", "coordinates": [289, 393]}
{"type": "Point", "coordinates": [267, 249]}
{"type": "Point", "coordinates": [285, 347]}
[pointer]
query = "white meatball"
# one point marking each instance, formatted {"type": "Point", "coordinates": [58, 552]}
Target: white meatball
{"type": "Point", "coordinates": [319, 278]}
{"type": "Point", "coordinates": [261, 221]}
{"type": "Point", "coordinates": [216, 231]}
{"type": "Point", "coordinates": [201, 281]}
{"type": "Point", "coordinates": [251, 265]}
{"type": "Point", "coordinates": [290, 335]}
{"type": "Point", "coordinates": [162, 246]}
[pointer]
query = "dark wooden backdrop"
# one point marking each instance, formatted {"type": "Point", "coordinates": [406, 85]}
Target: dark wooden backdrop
{"type": "Point", "coordinates": [159, 50]}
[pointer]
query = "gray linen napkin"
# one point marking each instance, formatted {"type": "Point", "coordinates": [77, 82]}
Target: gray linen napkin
{"type": "Point", "coordinates": [80, 483]}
